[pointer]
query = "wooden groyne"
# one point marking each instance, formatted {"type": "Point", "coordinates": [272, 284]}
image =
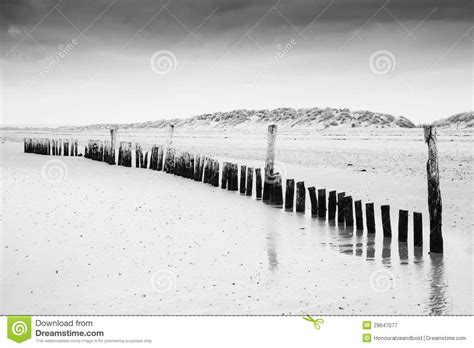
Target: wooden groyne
{"type": "Point", "coordinates": [335, 206]}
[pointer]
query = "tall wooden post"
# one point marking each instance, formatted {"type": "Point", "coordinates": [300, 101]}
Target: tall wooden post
{"type": "Point", "coordinates": [269, 161]}
{"type": "Point", "coordinates": [434, 193]}
{"type": "Point", "coordinates": [169, 141]}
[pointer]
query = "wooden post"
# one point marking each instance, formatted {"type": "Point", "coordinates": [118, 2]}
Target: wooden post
{"type": "Point", "coordinates": [348, 211]}
{"type": "Point", "coordinates": [314, 200]}
{"type": "Point", "coordinates": [113, 145]}
{"type": "Point", "coordinates": [434, 192]}
{"type": "Point", "coordinates": [169, 140]}
{"type": "Point", "coordinates": [358, 212]}
{"type": "Point", "coordinates": [66, 147]}
{"type": "Point", "coordinates": [370, 217]}
{"type": "Point", "coordinates": [340, 207]}
{"type": "Point", "coordinates": [243, 170]}
{"type": "Point", "coordinates": [258, 183]}
{"type": "Point", "coordinates": [402, 225]}
{"type": "Point", "coordinates": [278, 191]}
{"type": "Point", "coordinates": [249, 181]}
{"type": "Point", "coordinates": [417, 230]}
{"type": "Point", "coordinates": [289, 194]}
{"type": "Point", "coordinates": [75, 149]}
{"type": "Point", "coordinates": [387, 226]}
{"type": "Point", "coordinates": [300, 197]}
{"type": "Point", "coordinates": [154, 158]}
{"type": "Point", "coordinates": [215, 178]}
{"type": "Point", "coordinates": [269, 161]}
{"type": "Point", "coordinates": [138, 156]}
{"type": "Point", "coordinates": [160, 158]}
{"type": "Point", "coordinates": [322, 203]}
{"type": "Point", "coordinates": [332, 200]}
{"type": "Point", "coordinates": [224, 179]}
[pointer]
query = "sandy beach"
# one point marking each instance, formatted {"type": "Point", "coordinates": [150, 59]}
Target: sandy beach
{"type": "Point", "coordinates": [112, 240]}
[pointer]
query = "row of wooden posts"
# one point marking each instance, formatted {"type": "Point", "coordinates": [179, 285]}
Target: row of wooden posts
{"type": "Point", "coordinates": [330, 205]}
{"type": "Point", "coordinates": [54, 147]}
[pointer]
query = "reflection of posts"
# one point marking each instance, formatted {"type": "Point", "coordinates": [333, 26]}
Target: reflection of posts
{"type": "Point", "coordinates": [434, 193]}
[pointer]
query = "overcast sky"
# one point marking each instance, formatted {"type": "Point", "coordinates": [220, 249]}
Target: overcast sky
{"type": "Point", "coordinates": [95, 61]}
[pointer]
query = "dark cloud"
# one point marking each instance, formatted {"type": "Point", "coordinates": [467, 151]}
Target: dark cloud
{"type": "Point", "coordinates": [230, 19]}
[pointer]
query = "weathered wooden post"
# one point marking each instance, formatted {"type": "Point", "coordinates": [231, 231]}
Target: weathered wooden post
{"type": "Point", "coordinates": [300, 197]}
{"type": "Point", "coordinates": [243, 170]}
{"type": "Point", "coordinates": [169, 140]}
{"type": "Point", "coordinates": [387, 226]}
{"type": "Point", "coordinates": [278, 191]}
{"type": "Point", "coordinates": [215, 177]}
{"type": "Point", "coordinates": [358, 213]}
{"type": "Point", "coordinates": [249, 181]}
{"type": "Point", "coordinates": [258, 183]}
{"type": "Point", "coordinates": [340, 207]}
{"type": "Point", "coordinates": [370, 217]}
{"type": "Point", "coordinates": [154, 158]}
{"type": "Point", "coordinates": [402, 225]}
{"type": "Point", "coordinates": [434, 192]}
{"type": "Point", "coordinates": [66, 147]}
{"type": "Point", "coordinates": [138, 156]}
{"type": "Point", "coordinates": [224, 178]}
{"type": "Point", "coordinates": [289, 194]}
{"type": "Point", "coordinates": [269, 161]}
{"type": "Point", "coordinates": [75, 148]}
{"type": "Point", "coordinates": [348, 211]}
{"type": "Point", "coordinates": [113, 145]}
{"type": "Point", "coordinates": [332, 204]}
{"type": "Point", "coordinates": [322, 203]}
{"type": "Point", "coordinates": [314, 200]}
{"type": "Point", "coordinates": [417, 230]}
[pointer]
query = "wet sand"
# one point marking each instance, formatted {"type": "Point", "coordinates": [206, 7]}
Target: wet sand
{"type": "Point", "coordinates": [99, 240]}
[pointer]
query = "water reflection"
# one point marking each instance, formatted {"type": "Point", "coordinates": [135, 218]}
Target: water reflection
{"type": "Point", "coordinates": [386, 250]}
{"type": "Point", "coordinates": [403, 252]}
{"type": "Point", "coordinates": [370, 246]}
{"type": "Point", "coordinates": [438, 302]}
{"type": "Point", "coordinates": [418, 252]}
{"type": "Point", "coordinates": [271, 244]}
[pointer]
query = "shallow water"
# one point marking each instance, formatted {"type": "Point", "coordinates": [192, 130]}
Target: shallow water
{"type": "Point", "coordinates": [114, 240]}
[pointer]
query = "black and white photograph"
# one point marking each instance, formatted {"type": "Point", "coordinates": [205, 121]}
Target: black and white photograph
{"type": "Point", "coordinates": [236, 157]}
